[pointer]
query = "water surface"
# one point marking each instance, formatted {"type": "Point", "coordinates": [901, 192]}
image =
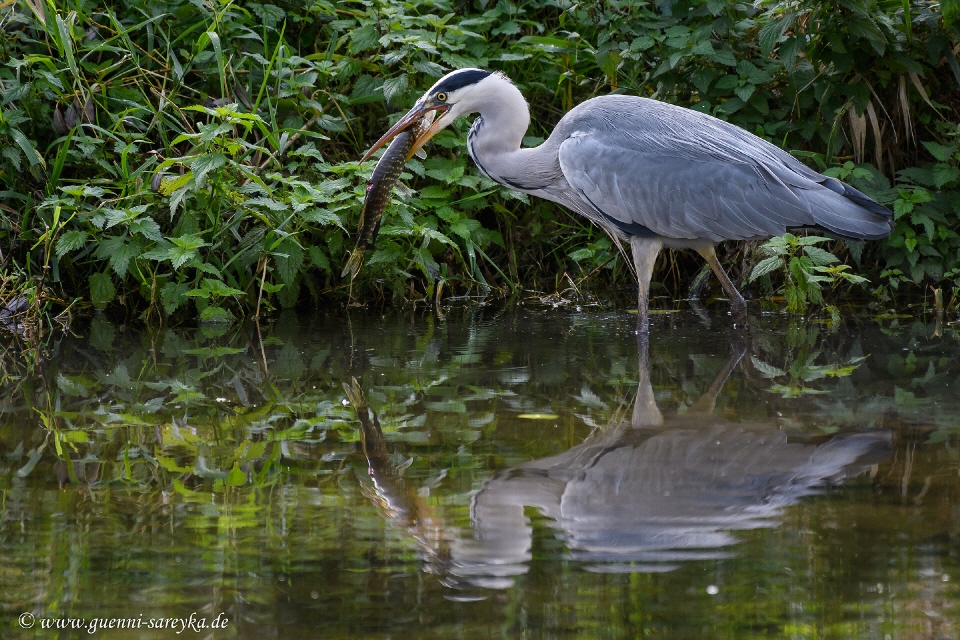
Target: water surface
{"type": "Point", "coordinates": [489, 473]}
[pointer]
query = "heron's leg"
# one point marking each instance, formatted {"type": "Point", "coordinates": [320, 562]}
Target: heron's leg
{"type": "Point", "coordinates": [646, 413]}
{"type": "Point", "coordinates": [737, 303]}
{"type": "Point", "coordinates": [644, 252]}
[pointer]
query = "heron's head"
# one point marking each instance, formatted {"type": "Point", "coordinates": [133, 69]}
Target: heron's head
{"type": "Point", "coordinates": [456, 94]}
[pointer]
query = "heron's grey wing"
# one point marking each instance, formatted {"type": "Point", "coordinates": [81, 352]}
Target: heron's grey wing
{"type": "Point", "coordinates": [715, 183]}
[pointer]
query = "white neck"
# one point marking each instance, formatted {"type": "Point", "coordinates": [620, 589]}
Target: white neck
{"type": "Point", "coordinates": [494, 140]}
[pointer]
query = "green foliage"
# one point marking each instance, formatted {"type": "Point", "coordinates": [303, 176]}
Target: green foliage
{"type": "Point", "coordinates": [161, 145]}
{"type": "Point", "coordinates": [804, 268]}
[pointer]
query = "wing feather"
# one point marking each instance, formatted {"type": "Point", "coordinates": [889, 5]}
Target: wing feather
{"type": "Point", "coordinates": [684, 175]}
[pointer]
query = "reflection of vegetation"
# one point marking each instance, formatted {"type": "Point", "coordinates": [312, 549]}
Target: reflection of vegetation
{"type": "Point", "coordinates": [169, 468]}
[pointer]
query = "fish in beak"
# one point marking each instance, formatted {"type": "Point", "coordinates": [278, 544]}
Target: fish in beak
{"type": "Point", "coordinates": [413, 116]}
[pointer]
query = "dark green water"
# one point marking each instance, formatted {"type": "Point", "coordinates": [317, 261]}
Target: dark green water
{"type": "Point", "coordinates": [518, 473]}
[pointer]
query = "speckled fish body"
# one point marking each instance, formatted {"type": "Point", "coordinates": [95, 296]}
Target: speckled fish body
{"type": "Point", "coordinates": [379, 188]}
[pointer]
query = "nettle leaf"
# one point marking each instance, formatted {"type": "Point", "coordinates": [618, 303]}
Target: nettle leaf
{"type": "Point", "coordinates": [184, 249]}
{"type": "Point", "coordinates": [289, 257]}
{"type": "Point", "coordinates": [206, 268]}
{"type": "Point", "coordinates": [944, 174]}
{"type": "Point", "coordinates": [204, 164]}
{"type": "Point", "coordinates": [216, 315]}
{"type": "Point", "coordinates": [172, 295]}
{"type": "Point", "coordinates": [102, 290]}
{"type": "Point", "coordinates": [465, 227]}
{"type": "Point", "coordinates": [766, 266]}
{"type": "Point", "coordinates": [394, 86]}
{"type": "Point", "coordinates": [923, 219]}
{"type": "Point", "coordinates": [820, 256]}
{"type": "Point", "coordinates": [388, 252]}
{"type": "Point", "coordinates": [330, 123]}
{"type": "Point", "coordinates": [431, 69]}
{"type": "Point", "coordinates": [120, 259]}
{"type": "Point", "coordinates": [745, 92]}
{"type": "Point", "coordinates": [901, 207]}
{"type": "Point", "coordinates": [318, 258]}
{"type": "Point", "coordinates": [939, 151]}
{"type": "Point", "coordinates": [435, 191]}
{"type": "Point", "coordinates": [70, 241]}
{"type": "Point", "coordinates": [811, 240]}
{"type": "Point", "coordinates": [431, 234]}
{"type": "Point", "coordinates": [148, 228]}
{"type": "Point", "coordinates": [323, 217]}
{"type": "Point", "coordinates": [72, 386]}
{"type": "Point", "coordinates": [796, 300]}
{"type": "Point", "coordinates": [364, 38]}
{"type": "Point", "coordinates": [582, 254]}
{"type": "Point", "coordinates": [266, 203]}
{"type": "Point", "coordinates": [728, 81]}
{"type": "Point", "coordinates": [210, 131]}
{"type": "Point", "coordinates": [773, 32]}
{"type": "Point", "coordinates": [212, 288]}
{"type": "Point", "coordinates": [189, 241]}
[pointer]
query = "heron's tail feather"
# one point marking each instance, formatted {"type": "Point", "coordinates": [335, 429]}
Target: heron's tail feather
{"type": "Point", "coordinates": [853, 215]}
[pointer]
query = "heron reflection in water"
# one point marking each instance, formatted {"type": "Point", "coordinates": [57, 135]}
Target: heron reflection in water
{"type": "Point", "coordinates": [637, 497]}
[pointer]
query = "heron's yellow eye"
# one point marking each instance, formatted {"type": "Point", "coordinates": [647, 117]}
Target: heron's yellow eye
{"type": "Point", "coordinates": [441, 97]}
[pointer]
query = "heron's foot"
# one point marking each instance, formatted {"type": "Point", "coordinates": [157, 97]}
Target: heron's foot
{"type": "Point", "coordinates": [643, 328]}
{"type": "Point", "coordinates": [738, 308]}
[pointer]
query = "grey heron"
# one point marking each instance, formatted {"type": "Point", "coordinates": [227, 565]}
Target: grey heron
{"type": "Point", "coordinates": [651, 174]}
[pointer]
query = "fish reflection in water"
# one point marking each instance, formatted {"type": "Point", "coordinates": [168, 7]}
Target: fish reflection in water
{"type": "Point", "coordinates": [643, 496]}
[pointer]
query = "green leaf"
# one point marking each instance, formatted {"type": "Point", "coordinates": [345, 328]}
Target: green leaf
{"type": "Point", "coordinates": [218, 289]}
{"type": "Point", "coordinates": [766, 266]}
{"type": "Point", "coordinates": [148, 228]}
{"type": "Point", "coordinates": [582, 254]}
{"type": "Point", "coordinates": [925, 221]}
{"type": "Point", "coordinates": [323, 217]}
{"type": "Point", "coordinates": [811, 240]}
{"type": "Point", "coordinates": [728, 81]}
{"type": "Point", "coordinates": [169, 185]}
{"type": "Point", "coordinates": [944, 174]}
{"type": "Point", "coordinates": [32, 156]}
{"type": "Point", "coordinates": [70, 241]}
{"type": "Point", "coordinates": [464, 227]}
{"type": "Point", "coordinates": [72, 387]}
{"type": "Point", "coordinates": [901, 207]}
{"type": "Point", "coordinates": [939, 151]}
{"type": "Point", "coordinates": [216, 315]}
{"type": "Point", "coordinates": [820, 256]}
{"type": "Point", "coordinates": [772, 33]}
{"type": "Point", "coordinates": [236, 477]}
{"type": "Point", "coordinates": [394, 86]}
{"type": "Point", "coordinates": [796, 300]}
{"type": "Point", "coordinates": [172, 295]}
{"type": "Point", "coordinates": [289, 257]}
{"type": "Point", "coordinates": [204, 164]}
{"type": "Point", "coordinates": [745, 92]}
{"type": "Point", "coordinates": [102, 290]}
{"type": "Point", "coordinates": [318, 258]}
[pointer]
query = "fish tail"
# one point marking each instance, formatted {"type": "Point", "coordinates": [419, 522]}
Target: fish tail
{"type": "Point", "coordinates": [353, 263]}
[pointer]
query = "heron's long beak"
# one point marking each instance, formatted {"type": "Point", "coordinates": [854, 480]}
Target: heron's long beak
{"type": "Point", "coordinates": [411, 118]}
{"type": "Point", "coordinates": [439, 124]}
